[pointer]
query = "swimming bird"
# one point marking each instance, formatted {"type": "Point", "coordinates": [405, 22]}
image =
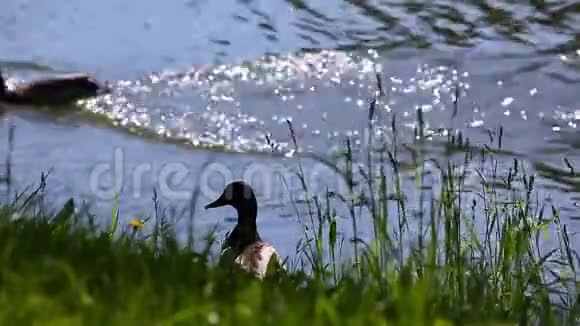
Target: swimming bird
{"type": "Point", "coordinates": [244, 246]}
{"type": "Point", "coordinates": [55, 91]}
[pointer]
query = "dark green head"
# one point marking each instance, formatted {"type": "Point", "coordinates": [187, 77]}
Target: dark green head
{"type": "Point", "coordinates": [236, 194]}
{"type": "Point", "coordinates": [241, 196]}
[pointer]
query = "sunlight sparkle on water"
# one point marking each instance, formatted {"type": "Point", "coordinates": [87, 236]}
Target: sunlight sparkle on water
{"type": "Point", "coordinates": [216, 105]}
{"type": "Point", "coordinates": [507, 101]}
{"type": "Point", "coordinates": [476, 123]}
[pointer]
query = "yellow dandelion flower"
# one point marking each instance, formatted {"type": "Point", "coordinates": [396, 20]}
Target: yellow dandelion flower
{"type": "Point", "coordinates": [136, 224]}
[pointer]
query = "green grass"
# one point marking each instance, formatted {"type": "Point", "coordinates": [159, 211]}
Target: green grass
{"type": "Point", "coordinates": [56, 269]}
{"type": "Point", "coordinates": [481, 256]}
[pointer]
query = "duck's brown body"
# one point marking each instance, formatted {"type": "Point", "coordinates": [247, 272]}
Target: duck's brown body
{"type": "Point", "coordinates": [61, 90]}
{"type": "Point", "coordinates": [247, 250]}
{"type": "Point", "coordinates": [244, 246]}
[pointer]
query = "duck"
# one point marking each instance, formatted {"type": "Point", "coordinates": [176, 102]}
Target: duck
{"type": "Point", "coordinates": [244, 246]}
{"type": "Point", "coordinates": [56, 91]}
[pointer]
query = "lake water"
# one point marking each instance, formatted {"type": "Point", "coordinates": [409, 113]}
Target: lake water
{"type": "Point", "coordinates": [230, 72]}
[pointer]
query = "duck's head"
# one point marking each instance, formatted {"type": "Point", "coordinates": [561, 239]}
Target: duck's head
{"type": "Point", "coordinates": [237, 194]}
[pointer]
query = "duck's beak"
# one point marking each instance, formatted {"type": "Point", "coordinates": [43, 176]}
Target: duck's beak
{"type": "Point", "coordinates": [221, 201]}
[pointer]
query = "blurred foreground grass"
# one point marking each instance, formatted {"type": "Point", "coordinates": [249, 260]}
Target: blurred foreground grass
{"type": "Point", "coordinates": [59, 269]}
